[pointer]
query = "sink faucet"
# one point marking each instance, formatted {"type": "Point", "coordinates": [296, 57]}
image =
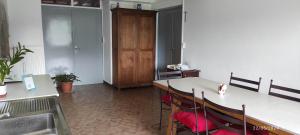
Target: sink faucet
{"type": "Point", "coordinates": [4, 115]}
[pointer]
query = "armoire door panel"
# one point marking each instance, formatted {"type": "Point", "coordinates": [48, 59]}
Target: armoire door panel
{"type": "Point", "coordinates": [127, 30]}
{"type": "Point", "coordinates": [146, 31]}
{"type": "Point", "coordinates": [145, 67]}
{"type": "Point", "coordinates": [127, 68]}
{"type": "Point", "coordinates": [115, 53]}
{"type": "Point", "coordinates": [134, 47]}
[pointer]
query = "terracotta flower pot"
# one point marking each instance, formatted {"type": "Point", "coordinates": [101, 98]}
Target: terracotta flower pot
{"type": "Point", "coordinates": [66, 87]}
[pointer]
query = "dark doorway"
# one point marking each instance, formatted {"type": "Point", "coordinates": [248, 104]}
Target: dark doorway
{"type": "Point", "coordinates": [169, 36]}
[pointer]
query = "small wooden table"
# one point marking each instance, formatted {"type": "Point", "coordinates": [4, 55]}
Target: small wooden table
{"type": "Point", "coordinates": [190, 73]}
{"type": "Point", "coordinates": [279, 116]}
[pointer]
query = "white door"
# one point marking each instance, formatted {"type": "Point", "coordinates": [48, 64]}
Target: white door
{"type": "Point", "coordinates": [73, 42]}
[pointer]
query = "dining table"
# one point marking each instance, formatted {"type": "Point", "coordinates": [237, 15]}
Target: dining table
{"type": "Point", "coordinates": [277, 115]}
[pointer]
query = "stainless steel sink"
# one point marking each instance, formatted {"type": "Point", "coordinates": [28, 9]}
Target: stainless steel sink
{"type": "Point", "coordinates": [41, 124]}
{"type": "Point", "coordinates": [39, 116]}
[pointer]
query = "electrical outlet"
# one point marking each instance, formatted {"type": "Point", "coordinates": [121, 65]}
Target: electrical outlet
{"type": "Point", "coordinates": [183, 45]}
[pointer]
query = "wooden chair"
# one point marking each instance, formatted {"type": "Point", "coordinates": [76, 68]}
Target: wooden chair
{"type": "Point", "coordinates": [166, 98]}
{"type": "Point", "coordinates": [272, 86]}
{"type": "Point", "coordinates": [188, 115]}
{"type": "Point", "coordinates": [255, 83]}
{"type": "Point", "coordinates": [226, 125]}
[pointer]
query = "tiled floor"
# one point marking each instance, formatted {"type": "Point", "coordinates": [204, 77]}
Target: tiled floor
{"type": "Point", "coordinates": [103, 110]}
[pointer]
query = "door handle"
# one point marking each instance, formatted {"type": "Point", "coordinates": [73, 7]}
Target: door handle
{"type": "Point", "coordinates": [76, 49]}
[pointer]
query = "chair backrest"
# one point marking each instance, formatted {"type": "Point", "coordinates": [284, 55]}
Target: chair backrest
{"type": "Point", "coordinates": [181, 96]}
{"type": "Point", "coordinates": [178, 95]}
{"type": "Point", "coordinates": [165, 75]}
{"type": "Point", "coordinates": [217, 116]}
{"type": "Point", "coordinates": [281, 88]}
{"type": "Point", "coordinates": [254, 83]}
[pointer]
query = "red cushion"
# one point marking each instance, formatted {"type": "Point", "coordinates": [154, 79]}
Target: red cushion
{"type": "Point", "coordinates": [166, 99]}
{"type": "Point", "coordinates": [228, 132]}
{"type": "Point", "coordinates": [189, 120]}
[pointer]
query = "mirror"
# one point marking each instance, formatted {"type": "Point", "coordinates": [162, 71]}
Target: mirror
{"type": "Point", "coordinates": [4, 42]}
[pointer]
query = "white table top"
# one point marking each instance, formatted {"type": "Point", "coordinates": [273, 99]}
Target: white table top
{"type": "Point", "coordinates": [44, 88]}
{"type": "Point", "coordinates": [281, 113]}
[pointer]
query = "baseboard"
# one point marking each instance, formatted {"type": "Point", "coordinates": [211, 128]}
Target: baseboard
{"type": "Point", "coordinates": [106, 83]}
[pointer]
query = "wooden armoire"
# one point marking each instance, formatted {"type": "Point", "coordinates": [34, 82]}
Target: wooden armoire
{"type": "Point", "coordinates": [133, 43]}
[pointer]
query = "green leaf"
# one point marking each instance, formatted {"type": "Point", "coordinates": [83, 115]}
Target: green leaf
{"type": "Point", "coordinates": [7, 64]}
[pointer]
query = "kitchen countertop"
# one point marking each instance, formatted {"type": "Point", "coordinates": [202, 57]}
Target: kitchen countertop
{"type": "Point", "coordinates": [44, 88]}
{"type": "Point", "coordinates": [20, 103]}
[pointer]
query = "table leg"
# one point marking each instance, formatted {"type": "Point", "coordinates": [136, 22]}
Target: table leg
{"type": "Point", "coordinates": [169, 129]}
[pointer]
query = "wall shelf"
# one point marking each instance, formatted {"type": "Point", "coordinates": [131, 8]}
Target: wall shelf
{"type": "Point", "coordinates": [69, 6]}
{"type": "Point", "coordinates": [72, 4]}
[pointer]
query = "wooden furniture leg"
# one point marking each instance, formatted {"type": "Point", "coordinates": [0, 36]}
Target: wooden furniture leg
{"type": "Point", "coordinates": [169, 129]}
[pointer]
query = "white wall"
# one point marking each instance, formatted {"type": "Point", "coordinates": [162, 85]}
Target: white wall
{"type": "Point", "coordinates": [166, 3]}
{"type": "Point", "coordinates": [107, 44]}
{"type": "Point", "coordinates": [252, 38]}
{"type": "Point", "coordinates": [130, 4]}
{"type": "Point", "coordinates": [25, 26]}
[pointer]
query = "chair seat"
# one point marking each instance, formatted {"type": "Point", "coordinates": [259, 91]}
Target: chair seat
{"type": "Point", "coordinates": [166, 99]}
{"type": "Point", "coordinates": [229, 132]}
{"type": "Point", "coordinates": [188, 119]}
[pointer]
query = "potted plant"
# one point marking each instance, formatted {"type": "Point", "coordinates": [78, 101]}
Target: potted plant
{"type": "Point", "coordinates": [6, 64]}
{"type": "Point", "coordinates": [65, 82]}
